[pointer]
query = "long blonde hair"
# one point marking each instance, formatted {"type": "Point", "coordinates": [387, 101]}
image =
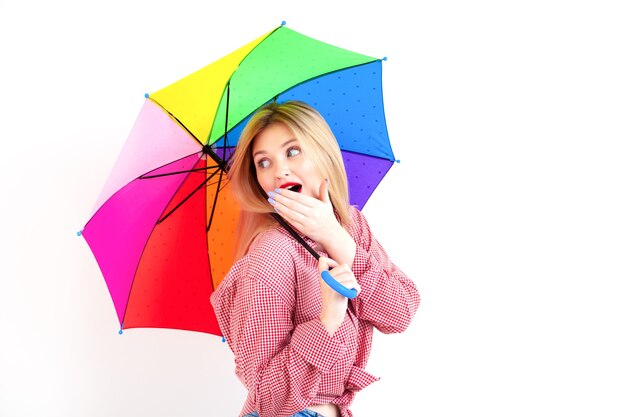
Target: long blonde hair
{"type": "Point", "coordinates": [318, 144]}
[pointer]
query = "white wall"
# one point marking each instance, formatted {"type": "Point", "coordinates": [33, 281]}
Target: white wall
{"type": "Point", "coordinates": [507, 208]}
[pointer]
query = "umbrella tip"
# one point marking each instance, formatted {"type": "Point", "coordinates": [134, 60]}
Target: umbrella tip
{"type": "Point", "coordinates": [80, 232]}
{"type": "Point", "coordinates": [283, 23]}
{"type": "Point", "coordinates": [121, 332]}
{"type": "Point", "coordinates": [384, 58]}
{"type": "Point", "coordinates": [223, 339]}
{"type": "Point", "coordinates": [146, 95]}
{"type": "Point", "coordinates": [397, 160]}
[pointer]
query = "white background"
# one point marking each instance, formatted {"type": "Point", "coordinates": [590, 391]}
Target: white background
{"type": "Point", "coordinates": [507, 210]}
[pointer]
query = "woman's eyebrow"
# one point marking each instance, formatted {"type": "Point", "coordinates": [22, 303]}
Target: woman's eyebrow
{"type": "Point", "coordinates": [257, 153]}
{"type": "Point", "coordinates": [289, 141]}
{"type": "Point", "coordinates": [282, 146]}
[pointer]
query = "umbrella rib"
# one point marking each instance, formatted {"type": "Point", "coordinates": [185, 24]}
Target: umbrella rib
{"type": "Point", "coordinates": [217, 192]}
{"type": "Point", "coordinates": [223, 160]}
{"type": "Point", "coordinates": [224, 185]}
{"type": "Point", "coordinates": [226, 120]}
{"type": "Point", "coordinates": [144, 177]}
{"type": "Point", "coordinates": [225, 141]}
{"type": "Point", "coordinates": [176, 118]}
{"type": "Point", "coordinates": [231, 76]}
{"type": "Point", "coordinates": [219, 181]}
{"type": "Point", "coordinates": [393, 159]}
{"type": "Point", "coordinates": [188, 197]}
{"type": "Point", "coordinates": [221, 166]}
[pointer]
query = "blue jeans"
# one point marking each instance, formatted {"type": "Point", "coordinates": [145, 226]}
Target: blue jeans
{"type": "Point", "coordinates": [304, 413]}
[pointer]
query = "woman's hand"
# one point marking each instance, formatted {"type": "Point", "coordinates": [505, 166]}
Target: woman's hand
{"type": "Point", "coordinates": [313, 217]}
{"type": "Point", "coordinates": [316, 219]}
{"type": "Point", "coordinates": [334, 305]}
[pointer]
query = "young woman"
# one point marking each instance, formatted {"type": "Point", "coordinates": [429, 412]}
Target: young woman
{"type": "Point", "coordinates": [300, 347]}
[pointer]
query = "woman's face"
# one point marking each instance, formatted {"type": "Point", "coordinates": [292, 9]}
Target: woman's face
{"type": "Point", "coordinates": [280, 163]}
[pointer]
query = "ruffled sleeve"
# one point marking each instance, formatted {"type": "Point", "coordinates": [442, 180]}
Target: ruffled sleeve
{"type": "Point", "coordinates": [388, 298]}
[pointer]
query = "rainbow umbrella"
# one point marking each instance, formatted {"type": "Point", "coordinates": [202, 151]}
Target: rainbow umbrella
{"type": "Point", "coordinates": [162, 231]}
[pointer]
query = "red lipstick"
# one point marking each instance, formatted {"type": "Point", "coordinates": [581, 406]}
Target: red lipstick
{"type": "Point", "coordinates": [292, 186]}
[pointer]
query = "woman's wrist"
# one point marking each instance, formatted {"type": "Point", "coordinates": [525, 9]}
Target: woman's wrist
{"type": "Point", "coordinates": [340, 246]}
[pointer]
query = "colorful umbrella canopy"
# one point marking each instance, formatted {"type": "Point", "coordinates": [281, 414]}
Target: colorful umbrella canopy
{"type": "Point", "coordinates": [162, 231]}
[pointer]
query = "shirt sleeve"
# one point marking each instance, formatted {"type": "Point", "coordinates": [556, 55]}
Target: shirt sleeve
{"type": "Point", "coordinates": [388, 298]}
{"type": "Point", "coordinates": [280, 364]}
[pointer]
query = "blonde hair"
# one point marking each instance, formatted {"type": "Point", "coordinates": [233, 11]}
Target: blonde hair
{"type": "Point", "coordinates": [318, 144]}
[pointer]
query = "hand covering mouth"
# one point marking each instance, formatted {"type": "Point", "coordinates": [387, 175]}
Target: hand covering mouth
{"type": "Point", "coordinates": [292, 186]}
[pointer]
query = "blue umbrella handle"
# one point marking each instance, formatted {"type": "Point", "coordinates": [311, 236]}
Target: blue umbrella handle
{"type": "Point", "coordinates": [335, 285]}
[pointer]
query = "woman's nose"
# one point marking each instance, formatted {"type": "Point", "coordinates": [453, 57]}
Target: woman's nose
{"type": "Point", "coordinates": [282, 170]}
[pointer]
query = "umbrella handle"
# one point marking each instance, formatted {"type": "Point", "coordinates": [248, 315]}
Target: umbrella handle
{"type": "Point", "coordinates": [335, 285]}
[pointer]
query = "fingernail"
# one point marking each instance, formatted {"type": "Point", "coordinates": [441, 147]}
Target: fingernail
{"type": "Point", "coordinates": [271, 200]}
{"type": "Point", "coordinates": [271, 194]}
{"type": "Point", "coordinates": [279, 191]}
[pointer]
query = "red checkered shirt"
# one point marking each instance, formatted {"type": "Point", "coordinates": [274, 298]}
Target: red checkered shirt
{"type": "Point", "coordinates": [268, 309]}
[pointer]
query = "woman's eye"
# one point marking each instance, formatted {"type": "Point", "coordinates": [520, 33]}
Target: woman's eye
{"type": "Point", "coordinates": [293, 151]}
{"type": "Point", "coordinates": [263, 163]}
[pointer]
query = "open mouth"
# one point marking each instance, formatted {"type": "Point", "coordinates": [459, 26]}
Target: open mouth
{"type": "Point", "coordinates": [292, 186]}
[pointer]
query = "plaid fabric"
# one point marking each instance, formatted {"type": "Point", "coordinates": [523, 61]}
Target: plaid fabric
{"type": "Point", "coordinates": [268, 309]}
